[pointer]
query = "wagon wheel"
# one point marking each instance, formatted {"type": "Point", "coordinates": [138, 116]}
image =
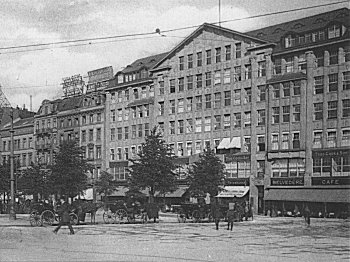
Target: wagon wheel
{"type": "Point", "coordinates": [181, 217]}
{"type": "Point", "coordinates": [121, 215]}
{"type": "Point", "coordinates": [196, 216]}
{"type": "Point", "coordinates": [73, 218]}
{"type": "Point", "coordinates": [35, 219]}
{"type": "Point", "coordinates": [47, 217]}
{"type": "Point", "coordinates": [108, 217]}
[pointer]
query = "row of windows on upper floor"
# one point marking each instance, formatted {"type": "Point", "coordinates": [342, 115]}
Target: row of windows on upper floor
{"type": "Point", "coordinates": [219, 57]}
{"type": "Point", "coordinates": [328, 138]}
{"type": "Point", "coordinates": [19, 144]}
{"type": "Point", "coordinates": [124, 96]}
{"type": "Point", "coordinates": [332, 109]}
{"type": "Point", "coordinates": [331, 83]}
{"type": "Point", "coordinates": [319, 35]}
{"type": "Point", "coordinates": [19, 160]}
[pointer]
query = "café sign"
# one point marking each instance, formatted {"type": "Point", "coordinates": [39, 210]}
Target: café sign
{"type": "Point", "coordinates": [330, 181]}
{"type": "Point", "coordinates": [237, 182]}
{"type": "Point", "coordinates": [287, 181]}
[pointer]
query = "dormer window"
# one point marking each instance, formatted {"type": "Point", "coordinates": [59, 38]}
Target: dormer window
{"type": "Point", "coordinates": [289, 41]}
{"type": "Point", "coordinates": [333, 31]}
{"type": "Point", "coordinates": [120, 78]}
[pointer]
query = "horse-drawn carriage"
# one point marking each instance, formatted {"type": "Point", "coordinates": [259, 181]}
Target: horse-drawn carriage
{"type": "Point", "coordinates": [121, 212]}
{"type": "Point", "coordinates": [194, 212]}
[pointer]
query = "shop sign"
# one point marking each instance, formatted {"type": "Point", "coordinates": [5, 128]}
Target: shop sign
{"type": "Point", "coordinates": [331, 153]}
{"type": "Point", "coordinates": [237, 182]}
{"type": "Point", "coordinates": [287, 181]}
{"type": "Point", "coordinates": [234, 158]}
{"type": "Point", "coordinates": [330, 181]}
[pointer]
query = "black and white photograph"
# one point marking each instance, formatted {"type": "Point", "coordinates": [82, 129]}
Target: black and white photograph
{"type": "Point", "coordinates": [174, 130]}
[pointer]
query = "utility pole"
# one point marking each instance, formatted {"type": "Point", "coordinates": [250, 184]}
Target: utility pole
{"type": "Point", "coordinates": [220, 13]}
{"type": "Point", "coordinates": [12, 179]}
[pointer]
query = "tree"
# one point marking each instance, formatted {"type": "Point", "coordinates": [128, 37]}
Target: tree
{"type": "Point", "coordinates": [206, 175]}
{"type": "Point", "coordinates": [105, 185]}
{"type": "Point", "coordinates": [68, 173]}
{"type": "Point", "coordinates": [154, 167]}
{"type": "Point", "coordinates": [4, 178]}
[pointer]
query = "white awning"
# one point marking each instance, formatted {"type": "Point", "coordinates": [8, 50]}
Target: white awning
{"type": "Point", "coordinates": [224, 143]}
{"type": "Point", "coordinates": [235, 143]}
{"type": "Point", "coordinates": [234, 191]}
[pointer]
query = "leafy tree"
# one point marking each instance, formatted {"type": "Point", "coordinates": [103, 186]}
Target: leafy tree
{"type": "Point", "coordinates": [206, 175]}
{"type": "Point", "coordinates": [105, 185]}
{"type": "Point", "coordinates": [154, 167]}
{"type": "Point", "coordinates": [5, 178]}
{"type": "Point", "coordinates": [68, 176]}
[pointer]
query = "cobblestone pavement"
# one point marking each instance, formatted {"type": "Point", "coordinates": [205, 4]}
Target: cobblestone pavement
{"type": "Point", "coordinates": [264, 239]}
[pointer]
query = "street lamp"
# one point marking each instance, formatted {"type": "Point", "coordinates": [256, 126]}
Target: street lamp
{"type": "Point", "coordinates": [12, 178]}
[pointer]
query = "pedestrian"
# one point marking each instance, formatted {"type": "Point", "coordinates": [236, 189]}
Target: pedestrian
{"type": "Point", "coordinates": [216, 213]}
{"type": "Point", "coordinates": [65, 218]}
{"type": "Point", "coordinates": [230, 217]}
{"type": "Point", "coordinates": [307, 214]}
{"type": "Point", "coordinates": [296, 210]}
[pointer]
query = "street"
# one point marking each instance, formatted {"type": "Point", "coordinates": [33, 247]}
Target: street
{"type": "Point", "coordinates": [264, 239]}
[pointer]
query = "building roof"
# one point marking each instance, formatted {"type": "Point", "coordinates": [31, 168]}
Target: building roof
{"type": "Point", "coordinates": [146, 62]}
{"type": "Point", "coordinates": [70, 103]}
{"type": "Point", "coordinates": [276, 32]}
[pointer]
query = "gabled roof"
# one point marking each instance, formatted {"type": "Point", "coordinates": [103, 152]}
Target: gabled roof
{"type": "Point", "coordinates": [146, 62]}
{"type": "Point", "coordinates": [70, 103]}
{"type": "Point", "coordinates": [201, 28]}
{"type": "Point", "coordinates": [276, 32]}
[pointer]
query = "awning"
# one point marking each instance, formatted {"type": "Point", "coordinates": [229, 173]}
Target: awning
{"type": "Point", "coordinates": [331, 195]}
{"type": "Point", "coordinates": [234, 191]}
{"type": "Point", "coordinates": [224, 143]}
{"type": "Point", "coordinates": [235, 143]}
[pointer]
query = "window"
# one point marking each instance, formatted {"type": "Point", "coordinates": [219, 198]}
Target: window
{"type": "Point", "coordinates": [198, 124]}
{"type": "Point", "coordinates": [333, 82]}
{"type": "Point", "coordinates": [120, 115]}
{"type": "Point", "coordinates": [276, 90]}
{"type": "Point", "coordinates": [139, 111]}
{"type": "Point", "coordinates": [189, 104]}
{"type": "Point", "coordinates": [139, 133]}
{"type": "Point", "coordinates": [180, 149]}
{"type": "Point", "coordinates": [319, 58]}
{"type": "Point", "coordinates": [274, 142]}
{"type": "Point", "coordinates": [181, 63]}
{"type": "Point", "coordinates": [262, 69]}
{"type": "Point", "coordinates": [227, 76]}
{"type": "Point", "coordinates": [161, 108]}
{"type": "Point", "coordinates": [289, 41]}
{"type": "Point", "coordinates": [346, 80]}
{"type": "Point", "coordinates": [180, 105]}
{"type": "Point", "coordinates": [261, 143]}
{"type": "Point", "coordinates": [228, 52]}
{"type": "Point", "coordinates": [237, 120]}
{"type": "Point", "coordinates": [346, 107]}
{"type": "Point", "coordinates": [286, 113]}
{"type": "Point", "coordinates": [199, 80]}
{"type": "Point", "coordinates": [133, 131]}
{"type": "Point", "coordinates": [289, 64]}
{"type": "Point", "coordinates": [126, 95]}
{"type": "Point", "coordinates": [126, 132]}
{"type": "Point", "coordinates": [143, 92]}
{"type": "Point", "coordinates": [333, 57]}
{"type": "Point", "coordinates": [198, 103]}
{"type": "Point", "coordinates": [248, 95]}
{"type": "Point", "coordinates": [181, 84]}
{"type": "Point", "coordinates": [296, 140]}
{"type": "Point", "coordinates": [345, 141]}
{"type": "Point", "coordinates": [208, 56]}
{"type": "Point", "coordinates": [217, 100]}
{"type": "Point", "coordinates": [136, 93]}
{"type": "Point", "coordinates": [199, 59]}
{"type": "Point", "coordinates": [260, 168]}
{"type": "Point", "coordinates": [189, 148]}
{"type": "Point", "coordinates": [119, 133]}
{"type": "Point", "coordinates": [190, 61]}
{"type": "Point", "coordinates": [218, 55]}
{"type": "Point", "coordinates": [227, 98]}
{"type": "Point", "coordinates": [90, 153]}
{"type": "Point", "coordinates": [151, 90]}
{"type": "Point", "coordinates": [247, 144]}
{"type": "Point", "coordinates": [261, 117]}
{"type": "Point", "coordinates": [146, 129]}
{"type": "Point", "coordinates": [333, 31]}
{"type": "Point", "coordinates": [161, 127]}
{"type": "Point", "coordinates": [208, 79]}
{"type": "Point", "coordinates": [172, 127]}
{"type": "Point", "coordinates": [277, 66]}
{"type": "Point", "coordinates": [172, 107]}
{"type": "Point", "coordinates": [317, 143]}
{"type": "Point", "coordinates": [248, 72]}
{"type": "Point", "coordinates": [302, 63]}
{"type": "Point", "coordinates": [91, 135]}
{"type": "Point", "coordinates": [217, 123]}
{"type": "Point", "coordinates": [217, 77]}
{"type": "Point", "coordinates": [126, 153]}
{"type": "Point", "coordinates": [237, 97]}
{"type": "Point", "coordinates": [98, 134]}
{"type": "Point", "coordinates": [275, 115]}
{"type": "Point", "coordinates": [112, 134]}
{"type": "Point", "coordinates": [227, 122]}
{"type": "Point", "coordinates": [261, 93]}
{"type": "Point", "coordinates": [98, 152]}
{"type": "Point", "coordinates": [133, 110]}
{"type": "Point", "coordinates": [189, 82]}
{"type": "Point", "coordinates": [247, 119]}
{"type": "Point", "coordinates": [286, 89]}
{"type": "Point", "coordinates": [161, 87]}
{"type": "Point", "coordinates": [319, 84]}
{"type": "Point", "coordinates": [207, 101]}
{"type": "Point", "coordinates": [296, 113]}
{"type": "Point", "coordinates": [207, 124]}
{"type": "Point", "coordinates": [198, 146]}
{"type": "Point", "coordinates": [189, 126]}
{"type": "Point", "coordinates": [238, 50]}
{"type": "Point", "coordinates": [332, 109]}
{"type": "Point", "coordinates": [296, 87]}
{"type": "Point", "coordinates": [172, 85]}
{"type": "Point", "coordinates": [331, 138]}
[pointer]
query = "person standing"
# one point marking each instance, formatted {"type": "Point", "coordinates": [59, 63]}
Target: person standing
{"type": "Point", "coordinates": [216, 213]}
{"type": "Point", "coordinates": [230, 217]}
{"type": "Point", "coordinates": [65, 219]}
{"type": "Point", "coordinates": [307, 214]}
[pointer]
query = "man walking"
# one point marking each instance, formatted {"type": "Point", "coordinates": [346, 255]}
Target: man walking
{"type": "Point", "coordinates": [216, 213]}
{"type": "Point", "coordinates": [307, 214]}
{"type": "Point", "coordinates": [65, 219]}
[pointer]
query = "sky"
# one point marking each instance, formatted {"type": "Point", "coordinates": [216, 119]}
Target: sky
{"type": "Point", "coordinates": [26, 72]}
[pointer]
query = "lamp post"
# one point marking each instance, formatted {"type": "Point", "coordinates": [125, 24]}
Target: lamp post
{"type": "Point", "coordinates": [12, 178]}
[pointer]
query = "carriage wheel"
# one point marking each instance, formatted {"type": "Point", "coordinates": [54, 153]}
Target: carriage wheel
{"type": "Point", "coordinates": [47, 217]}
{"type": "Point", "coordinates": [108, 217]}
{"type": "Point", "coordinates": [35, 219]}
{"type": "Point", "coordinates": [121, 215]}
{"type": "Point", "coordinates": [73, 218]}
{"type": "Point", "coordinates": [181, 217]}
{"type": "Point", "coordinates": [196, 216]}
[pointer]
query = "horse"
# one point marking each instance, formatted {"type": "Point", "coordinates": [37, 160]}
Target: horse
{"type": "Point", "coordinates": [83, 207]}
